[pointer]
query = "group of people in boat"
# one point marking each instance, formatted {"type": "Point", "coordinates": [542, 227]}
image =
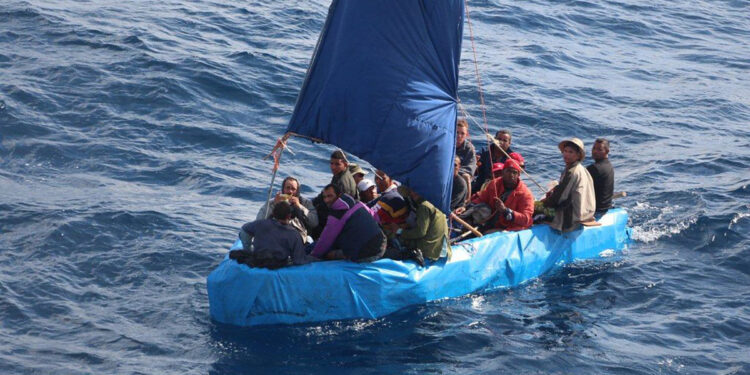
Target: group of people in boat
{"type": "Point", "coordinates": [488, 189]}
{"type": "Point", "coordinates": [363, 220]}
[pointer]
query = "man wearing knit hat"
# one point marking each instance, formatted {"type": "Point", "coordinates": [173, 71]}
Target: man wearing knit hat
{"type": "Point", "coordinates": [573, 198]}
{"type": "Point", "coordinates": [510, 198]}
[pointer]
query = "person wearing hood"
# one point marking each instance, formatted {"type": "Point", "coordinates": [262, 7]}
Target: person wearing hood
{"type": "Point", "coordinates": [510, 199]}
{"type": "Point", "coordinates": [573, 198]}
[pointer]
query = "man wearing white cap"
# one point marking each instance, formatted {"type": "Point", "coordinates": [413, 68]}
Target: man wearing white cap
{"type": "Point", "coordinates": [573, 198]}
{"type": "Point", "coordinates": [367, 192]}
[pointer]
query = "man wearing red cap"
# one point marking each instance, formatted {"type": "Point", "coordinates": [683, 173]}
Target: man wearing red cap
{"type": "Point", "coordinates": [510, 199]}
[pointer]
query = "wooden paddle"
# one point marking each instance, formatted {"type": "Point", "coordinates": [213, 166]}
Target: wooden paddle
{"type": "Point", "coordinates": [465, 224]}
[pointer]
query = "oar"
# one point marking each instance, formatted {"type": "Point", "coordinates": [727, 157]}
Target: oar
{"type": "Point", "coordinates": [465, 224]}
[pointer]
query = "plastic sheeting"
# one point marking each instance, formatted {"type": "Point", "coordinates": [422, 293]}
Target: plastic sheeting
{"type": "Point", "coordinates": [383, 84]}
{"type": "Point", "coordinates": [336, 290]}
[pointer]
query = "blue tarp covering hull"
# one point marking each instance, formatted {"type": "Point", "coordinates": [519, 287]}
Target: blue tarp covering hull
{"type": "Point", "coordinates": [322, 291]}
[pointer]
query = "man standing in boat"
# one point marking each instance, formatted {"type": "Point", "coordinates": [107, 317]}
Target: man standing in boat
{"type": "Point", "coordinates": [603, 175]}
{"type": "Point", "coordinates": [573, 198]}
{"type": "Point", "coordinates": [304, 215]}
{"type": "Point", "coordinates": [341, 177]}
{"type": "Point", "coordinates": [510, 198]}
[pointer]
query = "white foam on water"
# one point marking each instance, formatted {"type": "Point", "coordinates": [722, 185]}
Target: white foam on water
{"type": "Point", "coordinates": [665, 224]}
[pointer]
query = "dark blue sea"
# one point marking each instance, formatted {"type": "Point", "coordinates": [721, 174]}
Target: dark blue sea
{"type": "Point", "coordinates": [132, 136]}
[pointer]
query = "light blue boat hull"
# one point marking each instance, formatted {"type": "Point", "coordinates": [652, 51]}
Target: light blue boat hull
{"type": "Point", "coordinates": [322, 291]}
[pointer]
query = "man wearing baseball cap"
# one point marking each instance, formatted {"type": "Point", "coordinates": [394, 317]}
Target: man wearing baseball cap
{"type": "Point", "coordinates": [368, 193]}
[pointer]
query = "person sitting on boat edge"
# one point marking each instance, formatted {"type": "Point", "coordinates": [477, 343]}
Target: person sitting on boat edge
{"type": "Point", "coordinates": [510, 199]}
{"type": "Point", "coordinates": [603, 175]}
{"type": "Point", "coordinates": [350, 231]}
{"type": "Point", "coordinates": [368, 192]}
{"type": "Point", "coordinates": [357, 172]}
{"type": "Point", "coordinates": [304, 214]}
{"type": "Point", "coordinates": [342, 177]}
{"type": "Point", "coordinates": [391, 207]}
{"type": "Point", "coordinates": [272, 243]}
{"type": "Point", "coordinates": [573, 198]}
{"type": "Point", "coordinates": [458, 194]}
{"type": "Point", "coordinates": [495, 154]}
{"type": "Point", "coordinates": [430, 231]}
{"type": "Point", "coordinates": [467, 155]}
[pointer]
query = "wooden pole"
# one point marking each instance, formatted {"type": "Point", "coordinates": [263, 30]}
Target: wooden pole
{"type": "Point", "coordinates": [465, 224]}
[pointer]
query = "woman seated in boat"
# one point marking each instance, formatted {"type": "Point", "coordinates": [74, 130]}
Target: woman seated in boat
{"type": "Point", "coordinates": [350, 231]}
{"type": "Point", "coordinates": [573, 198]}
{"type": "Point", "coordinates": [510, 198]}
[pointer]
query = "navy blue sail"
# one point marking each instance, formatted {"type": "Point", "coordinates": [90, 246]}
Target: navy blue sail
{"type": "Point", "coordinates": [382, 85]}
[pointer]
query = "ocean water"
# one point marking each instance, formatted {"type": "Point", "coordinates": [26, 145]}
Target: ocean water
{"type": "Point", "coordinates": [132, 137]}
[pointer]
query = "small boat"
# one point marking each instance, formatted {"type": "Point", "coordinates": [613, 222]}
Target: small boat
{"type": "Point", "coordinates": [382, 85]}
{"type": "Point", "coordinates": [339, 290]}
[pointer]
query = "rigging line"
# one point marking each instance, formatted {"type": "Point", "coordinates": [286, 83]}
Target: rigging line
{"type": "Point", "coordinates": [491, 139]}
{"type": "Point", "coordinates": [476, 66]}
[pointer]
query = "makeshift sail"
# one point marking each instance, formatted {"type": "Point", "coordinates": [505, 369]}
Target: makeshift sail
{"type": "Point", "coordinates": [382, 85]}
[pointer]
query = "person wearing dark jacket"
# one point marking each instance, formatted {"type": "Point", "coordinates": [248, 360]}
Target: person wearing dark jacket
{"type": "Point", "coordinates": [466, 154]}
{"type": "Point", "coordinates": [272, 243]}
{"type": "Point", "coordinates": [350, 231]}
{"type": "Point", "coordinates": [304, 215]}
{"type": "Point", "coordinates": [458, 195]}
{"type": "Point", "coordinates": [488, 158]}
{"type": "Point", "coordinates": [603, 174]}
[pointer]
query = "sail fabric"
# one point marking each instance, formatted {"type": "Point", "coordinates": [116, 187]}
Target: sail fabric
{"type": "Point", "coordinates": [382, 85]}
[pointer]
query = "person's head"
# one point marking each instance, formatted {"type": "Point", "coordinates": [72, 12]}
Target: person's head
{"type": "Point", "coordinates": [497, 170]}
{"type": "Point", "coordinates": [456, 165]}
{"type": "Point", "coordinates": [511, 173]}
{"type": "Point", "coordinates": [367, 190]}
{"type": "Point", "coordinates": [338, 162]}
{"type": "Point", "coordinates": [382, 180]}
{"type": "Point", "coordinates": [331, 193]}
{"type": "Point", "coordinates": [462, 131]}
{"type": "Point", "coordinates": [282, 211]}
{"type": "Point", "coordinates": [409, 192]}
{"type": "Point", "coordinates": [600, 150]}
{"type": "Point", "coordinates": [572, 150]}
{"type": "Point", "coordinates": [290, 186]}
{"type": "Point", "coordinates": [517, 157]}
{"type": "Point", "coordinates": [503, 138]}
{"type": "Point", "coordinates": [357, 172]}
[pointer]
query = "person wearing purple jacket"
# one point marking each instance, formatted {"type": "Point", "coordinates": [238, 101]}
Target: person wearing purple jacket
{"type": "Point", "coordinates": [350, 231]}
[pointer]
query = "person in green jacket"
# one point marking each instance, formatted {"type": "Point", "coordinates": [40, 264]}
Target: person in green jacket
{"type": "Point", "coordinates": [430, 231]}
